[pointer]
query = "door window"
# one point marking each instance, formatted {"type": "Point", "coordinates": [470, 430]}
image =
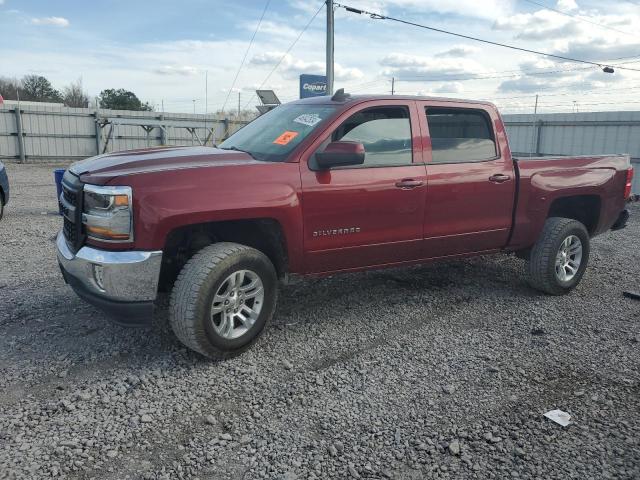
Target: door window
{"type": "Point", "coordinates": [460, 135]}
{"type": "Point", "coordinates": [385, 133]}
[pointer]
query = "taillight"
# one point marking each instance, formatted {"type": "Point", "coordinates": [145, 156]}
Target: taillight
{"type": "Point", "coordinates": [627, 186]}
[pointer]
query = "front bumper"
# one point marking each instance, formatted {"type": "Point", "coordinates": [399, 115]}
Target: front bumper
{"type": "Point", "coordinates": [123, 284]}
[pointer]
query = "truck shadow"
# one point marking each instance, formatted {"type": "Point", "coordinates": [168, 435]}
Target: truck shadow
{"type": "Point", "coordinates": [494, 275]}
{"type": "Point", "coordinates": [56, 324]}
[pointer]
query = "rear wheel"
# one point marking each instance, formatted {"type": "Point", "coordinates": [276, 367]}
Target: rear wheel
{"type": "Point", "coordinates": [222, 299]}
{"type": "Point", "coordinates": [559, 257]}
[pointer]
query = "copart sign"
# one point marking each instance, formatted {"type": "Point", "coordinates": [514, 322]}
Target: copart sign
{"type": "Point", "coordinates": [313, 85]}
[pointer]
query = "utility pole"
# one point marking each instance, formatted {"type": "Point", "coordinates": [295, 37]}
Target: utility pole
{"type": "Point", "coordinates": [329, 57]}
{"type": "Point", "coordinates": [194, 106]}
{"type": "Point", "coordinates": [535, 109]}
{"type": "Point", "coordinates": [393, 85]}
{"type": "Point", "coordinates": [206, 103]}
{"type": "Point", "coordinates": [239, 105]}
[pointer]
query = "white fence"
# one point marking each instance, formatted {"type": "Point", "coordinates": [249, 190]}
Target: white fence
{"type": "Point", "coordinates": [44, 134]}
{"type": "Point", "coordinates": [588, 133]}
{"type": "Point", "coordinates": [49, 134]}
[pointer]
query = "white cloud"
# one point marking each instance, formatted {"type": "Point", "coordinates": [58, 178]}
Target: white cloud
{"type": "Point", "coordinates": [54, 21]}
{"type": "Point", "coordinates": [567, 5]}
{"type": "Point", "coordinates": [448, 88]}
{"type": "Point", "coordinates": [466, 8]}
{"type": "Point", "coordinates": [540, 25]}
{"type": "Point", "coordinates": [414, 67]}
{"type": "Point", "coordinates": [184, 70]}
{"type": "Point", "coordinates": [273, 28]}
{"type": "Point", "coordinates": [572, 38]}
{"type": "Point", "coordinates": [459, 51]}
{"type": "Point", "coordinates": [293, 66]}
{"type": "Point", "coordinates": [598, 48]}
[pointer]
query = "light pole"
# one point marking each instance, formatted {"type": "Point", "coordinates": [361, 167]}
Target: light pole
{"type": "Point", "coordinates": [329, 57]}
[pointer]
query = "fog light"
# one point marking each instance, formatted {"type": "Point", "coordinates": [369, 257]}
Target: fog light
{"type": "Point", "coordinates": [98, 276]}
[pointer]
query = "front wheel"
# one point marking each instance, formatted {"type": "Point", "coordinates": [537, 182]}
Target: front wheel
{"type": "Point", "coordinates": [559, 257]}
{"type": "Point", "coordinates": [223, 298]}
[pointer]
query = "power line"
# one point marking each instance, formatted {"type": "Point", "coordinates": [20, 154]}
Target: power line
{"type": "Point", "coordinates": [286, 53]}
{"type": "Point", "coordinates": [579, 18]}
{"type": "Point", "coordinates": [476, 39]}
{"type": "Point", "coordinates": [516, 73]}
{"type": "Point", "coordinates": [233, 84]}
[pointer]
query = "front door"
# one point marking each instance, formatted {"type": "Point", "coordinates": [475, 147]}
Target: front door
{"type": "Point", "coordinates": [370, 214]}
{"type": "Point", "coordinates": [471, 182]}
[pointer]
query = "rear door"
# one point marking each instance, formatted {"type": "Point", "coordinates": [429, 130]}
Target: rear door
{"type": "Point", "coordinates": [369, 214]}
{"type": "Point", "coordinates": [471, 181]}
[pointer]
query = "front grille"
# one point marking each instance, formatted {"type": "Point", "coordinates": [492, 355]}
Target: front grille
{"type": "Point", "coordinates": [69, 231]}
{"type": "Point", "coordinates": [71, 203]}
{"type": "Point", "coordinates": [69, 195]}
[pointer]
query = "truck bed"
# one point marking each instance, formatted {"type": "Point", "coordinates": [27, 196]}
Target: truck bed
{"type": "Point", "coordinates": [595, 181]}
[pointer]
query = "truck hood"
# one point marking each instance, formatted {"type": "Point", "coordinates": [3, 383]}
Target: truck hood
{"type": "Point", "coordinates": [134, 162]}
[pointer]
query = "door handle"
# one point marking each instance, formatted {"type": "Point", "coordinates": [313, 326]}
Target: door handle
{"type": "Point", "coordinates": [499, 178]}
{"type": "Point", "coordinates": [408, 183]}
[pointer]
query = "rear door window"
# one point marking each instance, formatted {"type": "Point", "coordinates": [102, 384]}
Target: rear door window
{"type": "Point", "coordinates": [460, 135]}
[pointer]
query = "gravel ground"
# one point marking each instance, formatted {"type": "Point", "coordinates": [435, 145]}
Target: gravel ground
{"type": "Point", "coordinates": [440, 371]}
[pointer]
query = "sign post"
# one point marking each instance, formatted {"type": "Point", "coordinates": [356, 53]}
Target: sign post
{"type": "Point", "coordinates": [329, 56]}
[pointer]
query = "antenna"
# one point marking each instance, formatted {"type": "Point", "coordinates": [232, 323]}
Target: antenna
{"type": "Point", "coordinates": [340, 96]}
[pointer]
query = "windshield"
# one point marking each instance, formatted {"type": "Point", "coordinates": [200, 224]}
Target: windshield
{"type": "Point", "coordinates": [272, 136]}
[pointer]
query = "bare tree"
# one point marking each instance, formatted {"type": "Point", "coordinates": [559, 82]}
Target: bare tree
{"type": "Point", "coordinates": [75, 96]}
{"type": "Point", "coordinates": [10, 88]}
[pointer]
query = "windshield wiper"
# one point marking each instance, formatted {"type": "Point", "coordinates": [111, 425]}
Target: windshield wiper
{"type": "Point", "coordinates": [240, 150]}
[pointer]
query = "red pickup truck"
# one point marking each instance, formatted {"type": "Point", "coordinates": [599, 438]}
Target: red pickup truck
{"type": "Point", "coordinates": [321, 186]}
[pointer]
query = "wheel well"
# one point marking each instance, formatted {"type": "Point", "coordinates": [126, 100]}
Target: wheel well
{"type": "Point", "coordinates": [265, 235]}
{"type": "Point", "coordinates": [584, 208]}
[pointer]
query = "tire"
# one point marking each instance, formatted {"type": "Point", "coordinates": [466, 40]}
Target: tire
{"type": "Point", "coordinates": [201, 323]}
{"type": "Point", "coordinates": [543, 273]}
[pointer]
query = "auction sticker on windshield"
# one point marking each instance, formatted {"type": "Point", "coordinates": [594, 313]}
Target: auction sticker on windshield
{"type": "Point", "coordinates": [308, 119]}
{"type": "Point", "coordinates": [285, 138]}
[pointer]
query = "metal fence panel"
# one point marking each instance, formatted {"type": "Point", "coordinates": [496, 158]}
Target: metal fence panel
{"type": "Point", "coordinates": [61, 134]}
{"type": "Point", "coordinates": [575, 133]}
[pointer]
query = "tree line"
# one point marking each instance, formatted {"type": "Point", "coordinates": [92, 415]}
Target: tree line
{"type": "Point", "coordinates": [36, 88]}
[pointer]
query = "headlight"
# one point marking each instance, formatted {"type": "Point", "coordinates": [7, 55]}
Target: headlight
{"type": "Point", "coordinates": [107, 213]}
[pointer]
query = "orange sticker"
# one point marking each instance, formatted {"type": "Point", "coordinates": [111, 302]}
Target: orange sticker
{"type": "Point", "coordinates": [285, 138]}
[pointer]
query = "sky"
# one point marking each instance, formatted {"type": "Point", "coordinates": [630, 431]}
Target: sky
{"type": "Point", "coordinates": [177, 54]}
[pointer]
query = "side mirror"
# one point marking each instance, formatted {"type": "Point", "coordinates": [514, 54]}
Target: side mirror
{"type": "Point", "coordinates": [340, 154]}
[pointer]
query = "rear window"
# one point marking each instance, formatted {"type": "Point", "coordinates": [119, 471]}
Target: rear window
{"type": "Point", "coordinates": [460, 135]}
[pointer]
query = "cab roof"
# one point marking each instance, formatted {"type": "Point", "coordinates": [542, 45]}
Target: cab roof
{"type": "Point", "coordinates": [351, 99]}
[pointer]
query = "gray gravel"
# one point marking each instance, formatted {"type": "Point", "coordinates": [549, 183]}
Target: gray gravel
{"type": "Point", "coordinates": [439, 371]}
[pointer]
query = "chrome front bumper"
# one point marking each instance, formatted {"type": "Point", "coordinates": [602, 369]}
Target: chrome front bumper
{"type": "Point", "coordinates": [124, 284]}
